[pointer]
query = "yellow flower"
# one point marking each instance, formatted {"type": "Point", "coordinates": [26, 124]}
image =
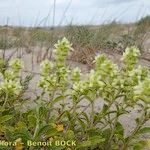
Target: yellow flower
{"type": "Point", "coordinates": [19, 144]}
{"type": "Point", "coordinates": [59, 127]}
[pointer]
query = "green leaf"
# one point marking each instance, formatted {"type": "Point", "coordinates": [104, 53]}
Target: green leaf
{"type": "Point", "coordinates": [2, 109]}
{"type": "Point", "coordinates": [106, 133]}
{"type": "Point", "coordinates": [42, 112]}
{"type": "Point", "coordinates": [5, 118]}
{"type": "Point", "coordinates": [46, 130]}
{"type": "Point", "coordinates": [84, 144]}
{"type": "Point", "coordinates": [86, 117]}
{"type": "Point", "coordinates": [140, 145]}
{"type": "Point", "coordinates": [68, 115]}
{"type": "Point", "coordinates": [144, 130]}
{"type": "Point", "coordinates": [70, 135]}
{"type": "Point", "coordinates": [92, 142]}
{"type": "Point", "coordinates": [93, 132]}
{"type": "Point", "coordinates": [97, 139]}
{"type": "Point", "coordinates": [42, 130]}
{"type": "Point", "coordinates": [119, 129]}
{"type": "Point", "coordinates": [23, 134]}
{"type": "Point", "coordinates": [31, 120]}
{"type": "Point", "coordinates": [57, 99]}
{"type": "Point", "coordinates": [51, 132]}
{"type": "Point", "coordinates": [105, 108]}
{"type": "Point", "coordinates": [82, 123]}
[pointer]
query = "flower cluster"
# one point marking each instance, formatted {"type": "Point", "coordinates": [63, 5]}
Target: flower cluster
{"type": "Point", "coordinates": [57, 77]}
{"type": "Point", "coordinates": [95, 80]}
{"type": "Point", "coordinates": [61, 51]}
{"type": "Point", "coordinates": [10, 87]}
{"type": "Point", "coordinates": [105, 67]}
{"type": "Point", "coordinates": [46, 66]}
{"type": "Point", "coordinates": [16, 65]}
{"type": "Point", "coordinates": [80, 87]}
{"type": "Point", "coordinates": [62, 74]}
{"type": "Point", "coordinates": [138, 74]}
{"type": "Point", "coordinates": [47, 82]}
{"type": "Point", "coordinates": [130, 57]}
{"type": "Point", "coordinates": [76, 74]}
{"type": "Point", "coordinates": [142, 90]}
{"type": "Point", "coordinates": [10, 82]}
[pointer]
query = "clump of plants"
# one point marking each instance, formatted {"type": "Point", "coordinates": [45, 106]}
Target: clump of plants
{"type": "Point", "coordinates": [59, 114]}
{"type": "Point", "coordinates": [120, 43]}
{"type": "Point", "coordinates": [6, 42]}
{"type": "Point", "coordinates": [141, 33]}
{"type": "Point", "coordinates": [79, 35]}
{"type": "Point", "coordinates": [144, 21]}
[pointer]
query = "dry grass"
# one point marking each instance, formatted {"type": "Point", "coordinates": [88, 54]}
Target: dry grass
{"type": "Point", "coordinates": [87, 40]}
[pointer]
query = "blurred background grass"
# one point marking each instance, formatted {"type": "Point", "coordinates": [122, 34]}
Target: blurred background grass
{"type": "Point", "coordinates": [86, 40]}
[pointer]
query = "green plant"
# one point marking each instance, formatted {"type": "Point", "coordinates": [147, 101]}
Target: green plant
{"type": "Point", "coordinates": [6, 43]}
{"type": "Point", "coordinates": [59, 115]}
{"type": "Point", "coordinates": [120, 43]}
{"type": "Point", "coordinates": [79, 35]}
{"type": "Point", "coordinates": [141, 33]}
{"type": "Point", "coordinates": [144, 21]}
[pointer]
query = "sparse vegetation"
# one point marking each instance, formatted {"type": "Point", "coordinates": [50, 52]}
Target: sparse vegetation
{"type": "Point", "coordinates": [113, 36]}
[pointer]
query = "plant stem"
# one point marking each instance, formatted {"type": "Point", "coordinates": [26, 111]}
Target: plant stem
{"type": "Point", "coordinates": [5, 100]}
{"type": "Point", "coordinates": [92, 114]}
{"type": "Point", "coordinates": [138, 127]}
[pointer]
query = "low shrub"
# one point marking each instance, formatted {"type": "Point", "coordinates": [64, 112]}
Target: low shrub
{"type": "Point", "coordinates": [6, 42]}
{"type": "Point", "coordinates": [79, 35]}
{"type": "Point", "coordinates": [59, 114]}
